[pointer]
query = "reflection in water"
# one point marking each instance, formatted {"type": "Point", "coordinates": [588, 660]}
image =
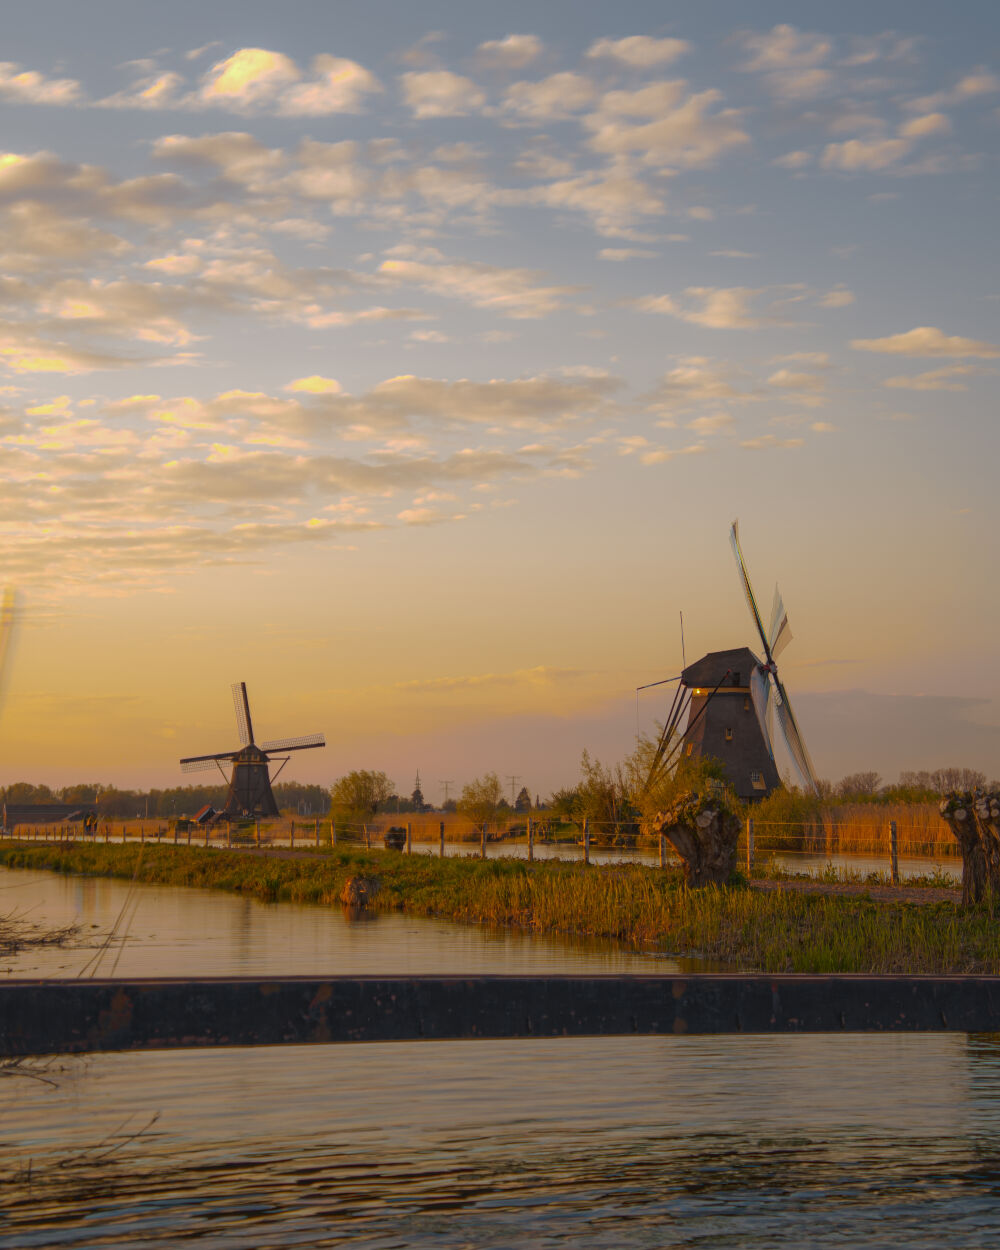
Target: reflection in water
{"type": "Point", "coordinates": [736, 1141]}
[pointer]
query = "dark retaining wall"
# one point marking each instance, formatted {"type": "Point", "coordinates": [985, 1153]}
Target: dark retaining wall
{"type": "Point", "coordinates": [48, 1017]}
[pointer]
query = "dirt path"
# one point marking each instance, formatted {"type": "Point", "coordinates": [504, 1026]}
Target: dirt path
{"type": "Point", "coordinates": [884, 893]}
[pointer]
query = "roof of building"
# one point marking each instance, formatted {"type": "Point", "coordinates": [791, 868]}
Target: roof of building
{"type": "Point", "coordinates": [732, 668]}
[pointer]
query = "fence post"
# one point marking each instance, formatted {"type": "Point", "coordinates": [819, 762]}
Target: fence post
{"type": "Point", "coordinates": [293, 828]}
{"type": "Point", "coordinates": [893, 854]}
{"type": "Point", "coordinates": [409, 837]}
{"type": "Point", "coordinates": [368, 840]}
{"type": "Point", "coordinates": [586, 839]}
{"type": "Point", "coordinates": [333, 830]}
{"type": "Point", "coordinates": [291, 837]}
{"type": "Point", "coordinates": [531, 841]}
{"type": "Point", "coordinates": [316, 830]}
{"type": "Point", "coordinates": [189, 833]}
{"type": "Point", "coordinates": [257, 830]}
{"type": "Point", "coordinates": [208, 828]}
{"type": "Point", "coordinates": [229, 833]}
{"type": "Point", "coordinates": [663, 850]}
{"type": "Point", "coordinates": [749, 846]}
{"type": "Point", "coordinates": [175, 833]}
{"type": "Point", "coordinates": [482, 842]}
{"type": "Point", "coordinates": [441, 835]}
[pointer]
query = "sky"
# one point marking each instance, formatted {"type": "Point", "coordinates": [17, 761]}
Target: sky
{"type": "Point", "coordinates": [410, 362]}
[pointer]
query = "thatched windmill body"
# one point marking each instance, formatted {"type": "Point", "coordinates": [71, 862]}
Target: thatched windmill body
{"type": "Point", "coordinates": [250, 793]}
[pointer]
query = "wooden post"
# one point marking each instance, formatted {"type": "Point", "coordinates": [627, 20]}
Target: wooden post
{"type": "Point", "coordinates": [368, 841]}
{"type": "Point", "coordinates": [229, 833]}
{"type": "Point", "coordinates": [291, 838]}
{"type": "Point", "coordinates": [482, 842]}
{"type": "Point", "coordinates": [316, 830]}
{"type": "Point", "coordinates": [663, 850]}
{"type": "Point", "coordinates": [749, 846]}
{"type": "Point", "coordinates": [207, 828]}
{"type": "Point", "coordinates": [293, 830]}
{"type": "Point", "coordinates": [409, 837]}
{"type": "Point", "coordinates": [893, 854]}
{"type": "Point", "coordinates": [531, 841]}
{"type": "Point", "coordinates": [441, 834]}
{"type": "Point", "coordinates": [189, 833]}
{"type": "Point", "coordinates": [142, 834]}
{"type": "Point", "coordinates": [257, 828]}
{"type": "Point", "coordinates": [586, 839]}
{"type": "Point", "coordinates": [175, 833]}
{"type": "Point", "coordinates": [333, 830]}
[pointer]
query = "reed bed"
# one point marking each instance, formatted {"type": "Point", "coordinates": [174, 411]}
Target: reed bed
{"type": "Point", "coordinates": [736, 927]}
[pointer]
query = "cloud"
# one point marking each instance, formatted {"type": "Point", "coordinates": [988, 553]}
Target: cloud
{"type": "Point", "coordinates": [510, 292]}
{"type": "Point", "coordinates": [929, 124]}
{"type": "Point", "coordinates": [626, 253]}
{"type": "Point", "coordinates": [440, 93]}
{"type": "Point", "coordinates": [21, 86]}
{"type": "Point", "coordinates": [788, 379]}
{"type": "Point", "coordinates": [678, 129]}
{"type": "Point", "coordinates": [933, 380]}
{"type": "Point", "coordinates": [770, 442]}
{"type": "Point", "coordinates": [791, 61]}
{"type": "Point", "coordinates": [718, 308]}
{"type": "Point", "coordinates": [315, 385]}
{"type": "Point", "coordinates": [839, 297]}
{"type": "Point", "coordinates": [542, 675]}
{"type": "Point", "coordinates": [979, 82]}
{"type": "Point", "coordinates": [552, 99]}
{"type": "Point", "coordinates": [259, 80]}
{"type": "Point", "coordinates": [793, 160]}
{"type": "Point", "coordinates": [855, 155]}
{"type": "Point", "coordinates": [613, 198]}
{"type": "Point", "coordinates": [640, 51]}
{"type": "Point", "coordinates": [511, 52]}
{"type": "Point", "coordinates": [927, 341]}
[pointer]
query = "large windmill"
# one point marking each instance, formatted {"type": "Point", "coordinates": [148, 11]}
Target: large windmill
{"type": "Point", "coordinates": [730, 700]}
{"type": "Point", "coordinates": [250, 791]}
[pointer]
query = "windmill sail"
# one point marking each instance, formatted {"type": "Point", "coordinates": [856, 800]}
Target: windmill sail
{"type": "Point", "coordinates": [242, 712]}
{"type": "Point", "coordinates": [769, 695]}
{"type": "Point", "coordinates": [8, 617]}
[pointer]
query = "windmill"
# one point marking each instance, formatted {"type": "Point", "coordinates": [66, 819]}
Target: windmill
{"type": "Point", "coordinates": [730, 699]}
{"type": "Point", "coordinates": [250, 792]}
{"type": "Point", "coordinates": [770, 699]}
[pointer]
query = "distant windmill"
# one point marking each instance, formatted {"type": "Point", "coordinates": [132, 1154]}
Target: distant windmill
{"type": "Point", "coordinates": [250, 791]}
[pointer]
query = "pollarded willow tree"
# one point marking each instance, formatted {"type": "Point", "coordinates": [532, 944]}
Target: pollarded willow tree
{"type": "Point", "coordinates": [689, 803]}
{"type": "Point", "coordinates": [974, 819]}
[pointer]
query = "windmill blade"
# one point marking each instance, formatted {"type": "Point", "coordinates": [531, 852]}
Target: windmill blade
{"type": "Point", "coordinates": [242, 711]}
{"type": "Point", "coordinates": [734, 538]}
{"type": "Point", "coordinates": [294, 744]}
{"type": "Point", "coordinates": [201, 766]}
{"type": "Point", "coordinates": [219, 755]}
{"type": "Point", "coordinates": [760, 692]}
{"type": "Point", "coordinates": [792, 736]}
{"type": "Point", "coordinates": [780, 633]}
{"type": "Point", "coordinates": [8, 620]}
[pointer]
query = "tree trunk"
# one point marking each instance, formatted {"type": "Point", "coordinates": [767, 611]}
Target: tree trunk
{"type": "Point", "coordinates": [975, 822]}
{"type": "Point", "coordinates": [706, 844]}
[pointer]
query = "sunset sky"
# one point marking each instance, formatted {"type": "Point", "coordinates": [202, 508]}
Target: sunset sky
{"type": "Point", "coordinates": [410, 361]}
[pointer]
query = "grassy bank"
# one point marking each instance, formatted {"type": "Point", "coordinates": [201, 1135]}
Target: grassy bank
{"type": "Point", "coordinates": [778, 931]}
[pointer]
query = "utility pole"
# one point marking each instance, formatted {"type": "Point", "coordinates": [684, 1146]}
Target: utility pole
{"type": "Point", "coordinates": [446, 784]}
{"type": "Point", "coordinates": [513, 782]}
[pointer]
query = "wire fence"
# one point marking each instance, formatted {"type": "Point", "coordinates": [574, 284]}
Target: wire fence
{"type": "Point", "coordinates": [892, 849]}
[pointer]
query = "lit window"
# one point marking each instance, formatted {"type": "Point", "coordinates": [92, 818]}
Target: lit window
{"type": "Point", "coordinates": [757, 781]}
{"type": "Point", "coordinates": [729, 735]}
{"type": "Point", "coordinates": [690, 748]}
{"type": "Point", "coordinates": [746, 705]}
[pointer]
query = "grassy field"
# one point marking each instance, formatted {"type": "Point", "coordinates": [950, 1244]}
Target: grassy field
{"type": "Point", "coordinates": [738, 927]}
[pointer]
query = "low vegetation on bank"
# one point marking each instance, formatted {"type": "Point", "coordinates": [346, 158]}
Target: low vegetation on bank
{"type": "Point", "coordinates": [735, 927]}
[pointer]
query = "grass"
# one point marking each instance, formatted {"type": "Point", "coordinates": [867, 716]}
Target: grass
{"type": "Point", "coordinates": [741, 928]}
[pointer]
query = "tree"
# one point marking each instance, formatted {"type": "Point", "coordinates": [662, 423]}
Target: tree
{"type": "Point", "coordinates": [562, 803]}
{"type": "Point", "coordinates": [523, 801]}
{"type": "Point", "coordinates": [864, 784]}
{"type": "Point", "coordinates": [606, 797]}
{"type": "Point", "coordinates": [359, 794]}
{"type": "Point", "coordinates": [481, 800]}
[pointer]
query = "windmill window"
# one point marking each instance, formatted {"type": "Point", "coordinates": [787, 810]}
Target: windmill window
{"type": "Point", "coordinates": [690, 748]}
{"type": "Point", "coordinates": [757, 780]}
{"type": "Point", "coordinates": [729, 735]}
{"type": "Point", "coordinates": [746, 705]}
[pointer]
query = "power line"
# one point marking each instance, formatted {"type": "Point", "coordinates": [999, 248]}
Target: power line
{"type": "Point", "coordinates": [513, 782]}
{"type": "Point", "coordinates": [446, 784]}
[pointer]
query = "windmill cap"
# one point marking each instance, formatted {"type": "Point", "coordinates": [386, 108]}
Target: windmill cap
{"type": "Point", "coordinates": [711, 669]}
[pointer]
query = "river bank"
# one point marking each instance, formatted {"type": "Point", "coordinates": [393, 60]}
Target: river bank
{"type": "Point", "coordinates": [777, 929]}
